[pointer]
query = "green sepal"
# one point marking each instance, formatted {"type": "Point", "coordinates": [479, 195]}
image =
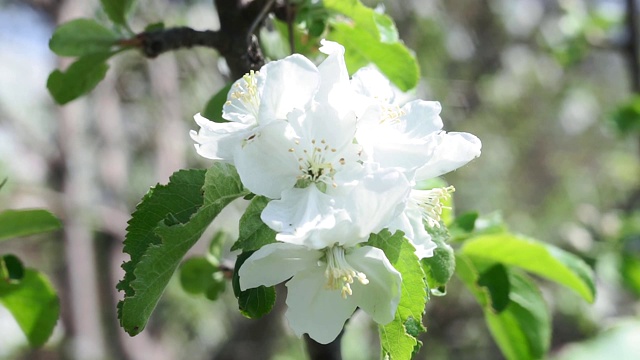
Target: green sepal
{"type": "Point", "coordinates": [441, 266]}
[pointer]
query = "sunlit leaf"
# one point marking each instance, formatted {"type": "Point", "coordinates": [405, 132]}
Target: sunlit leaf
{"type": "Point", "coordinates": [399, 338]}
{"type": "Point", "coordinates": [34, 304]}
{"type": "Point", "coordinates": [163, 244]}
{"type": "Point", "coordinates": [16, 223]}
{"type": "Point", "coordinates": [371, 37]}
{"type": "Point", "coordinates": [536, 257]}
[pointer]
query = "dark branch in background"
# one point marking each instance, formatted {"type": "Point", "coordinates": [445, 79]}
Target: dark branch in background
{"type": "Point", "coordinates": [156, 42]}
{"type": "Point", "coordinates": [633, 58]}
{"type": "Point", "coordinates": [235, 40]}
{"type": "Point", "coordinates": [330, 351]}
{"type": "Point", "coordinates": [632, 45]}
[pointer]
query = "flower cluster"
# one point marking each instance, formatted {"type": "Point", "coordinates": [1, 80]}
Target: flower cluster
{"type": "Point", "coordinates": [339, 160]}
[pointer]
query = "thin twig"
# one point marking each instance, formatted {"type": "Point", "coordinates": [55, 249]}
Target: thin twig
{"type": "Point", "coordinates": [265, 10]}
{"type": "Point", "coordinates": [292, 43]}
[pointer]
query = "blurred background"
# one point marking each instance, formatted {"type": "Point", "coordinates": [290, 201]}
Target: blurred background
{"type": "Point", "coordinates": [550, 87]}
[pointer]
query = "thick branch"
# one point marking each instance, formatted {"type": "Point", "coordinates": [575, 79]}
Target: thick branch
{"type": "Point", "coordinates": [156, 42]}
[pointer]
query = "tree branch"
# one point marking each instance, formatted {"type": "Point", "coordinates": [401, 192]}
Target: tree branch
{"type": "Point", "coordinates": [632, 45]}
{"type": "Point", "coordinates": [154, 43]}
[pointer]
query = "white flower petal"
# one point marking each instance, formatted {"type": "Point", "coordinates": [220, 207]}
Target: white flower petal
{"type": "Point", "coordinates": [300, 212]}
{"type": "Point", "coordinates": [324, 123]}
{"type": "Point", "coordinates": [264, 163]}
{"type": "Point", "coordinates": [290, 84]}
{"type": "Point", "coordinates": [217, 141]}
{"type": "Point", "coordinates": [370, 82]}
{"type": "Point", "coordinates": [424, 116]}
{"type": "Point", "coordinates": [380, 297]}
{"type": "Point", "coordinates": [375, 202]}
{"type": "Point", "coordinates": [334, 84]}
{"type": "Point", "coordinates": [411, 224]}
{"type": "Point", "coordinates": [454, 150]}
{"type": "Point", "coordinates": [315, 310]}
{"type": "Point", "coordinates": [400, 137]}
{"type": "Point", "coordinates": [275, 263]}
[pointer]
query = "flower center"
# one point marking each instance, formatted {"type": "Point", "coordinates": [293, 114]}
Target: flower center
{"type": "Point", "coordinates": [315, 164]}
{"type": "Point", "coordinates": [339, 273]}
{"type": "Point", "coordinates": [246, 91]}
{"type": "Point", "coordinates": [391, 114]}
{"type": "Point", "coordinates": [430, 203]}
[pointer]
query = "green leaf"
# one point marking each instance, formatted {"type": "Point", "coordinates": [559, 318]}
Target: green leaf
{"type": "Point", "coordinates": [522, 329]}
{"type": "Point", "coordinates": [154, 27]}
{"type": "Point", "coordinates": [163, 246]}
{"type": "Point", "coordinates": [11, 269]}
{"type": "Point", "coordinates": [34, 304]}
{"type": "Point", "coordinates": [496, 280]}
{"type": "Point", "coordinates": [80, 78]}
{"type": "Point", "coordinates": [16, 223]}
{"type": "Point", "coordinates": [440, 267]}
{"type": "Point", "coordinates": [536, 257]}
{"type": "Point", "coordinates": [255, 302]}
{"type": "Point", "coordinates": [196, 275]}
{"type": "Point", "coordinates": [253, 232]}
{"type": "Point", "coordinates": [630, 272]}
{"type": "Point", "coordinates": [117, 10]}
{"type": "Point", "coordinates": [371, 37]}
{"type": "Point", "coordinates": [179, 199]}
{"type": "Point", "coordinates": [399, 338]}
{"type": "Point", "coordinates": [626, 117]}
{"type": "Point", "coordinates": [213, 109]}
{"type": "Point", "coordinates": [82, 37]}
{"type": "Point", "coordinates": [463, 225]}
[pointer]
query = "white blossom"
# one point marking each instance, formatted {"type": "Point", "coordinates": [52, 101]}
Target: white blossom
{"type": "Point", "coordinates": [326, 285]}
{"type": "Point", "coordinates": [256, 100]}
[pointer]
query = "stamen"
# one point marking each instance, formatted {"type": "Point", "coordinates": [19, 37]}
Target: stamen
{"type": "Point", "coordinates": [430, 203]}
{"type": "Point", "coordinates": [339, 273]}
{"type": "Point", "coordinates": [246, 91]}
